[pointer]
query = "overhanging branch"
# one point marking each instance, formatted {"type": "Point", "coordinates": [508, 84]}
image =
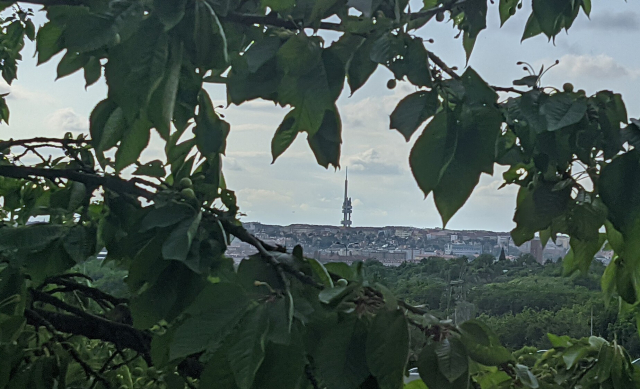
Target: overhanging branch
{"type": "Point", "coordinates": [113, 183]}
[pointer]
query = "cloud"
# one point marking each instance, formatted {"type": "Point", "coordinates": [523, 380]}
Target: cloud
{"type": "Point", "coordinates": [372, 162]}
{"type": "Point", "coordinates": [20, 93]}
{"type": "Point", "coordinates": [607, 20]}
{"type": "Point", "coordinates": [67, 120]}
{"type": "Point", "coordinates": [599, 66]}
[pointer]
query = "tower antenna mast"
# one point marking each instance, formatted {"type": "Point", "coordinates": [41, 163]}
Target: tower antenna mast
{"type": "Point", "coordinates": [347, 208]}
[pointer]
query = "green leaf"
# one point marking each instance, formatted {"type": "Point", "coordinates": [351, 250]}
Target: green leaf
{"type": "Point", "coordinates": [210, 131]}
{"type": "Point", "coordinates": [474, 154]}
{"type": "Point", "coordinates": [178, 243]}
{"type": "Point", "coordinates": [529, 81]}
{"type": "Point", "coordinates": [170, 12]}
{"type": "Point", "coordinates": [536, 209]}
{"type": "Point", "coordinates": [166, 216]}
{"type": "Point", "coordinates": [526, 376]}
{"type": "Point", "coordinates": [586, 6]}
{"type": "Point", "coordinates": [285, 135]}
{"type": "Point", "coordinates": [415, 384]}
{"type": "Point", "coordinates": [92, 71]}
{"type": "Point", "coordinates": [507, 9]}
{"type": "Point", "coordinates": [413, 110]}
{"type": "Point", "coordinates": [283, 366]}
{"type": "Point", "coordinates": [87, 31]}
{"type": "Point", "coordinates": [212, 316]}
{"type": "Point", "coordinates": [154, 168]}
{"type": "Point", "coordinates": [581, 254]}
{"type": "Point", "coordinates": [387, 348]}
{"type": "Point", "coordinates": [429, 369]}
{"type": "Point", "coordinates": [107, 125]}
{"type": "Point", "coordinates": [174, 289]}
{"type": "Point", "coordinates": [562, 110]}
{"type": "Point", "coordinates": [614, 238]}
{"type": "Point", "coordinates": [71, 63]}
{"type": "Point", "coordinates": [79, 243]}
{"type": "Point", "coordinates": [453, 362]}
{"type": "Point", "coordinates": [48, 42]}
{"type": "Point", "coordinates": [163, 101]}
{"type": "Point", "coordinates": [532, 28]}
{"type": "Point", "coordinates": [340, 358]}
{"type": "Point", "coordinates": [619, 186]}
{"type": "Point", "coordinates": [209, 37]}
{"type": "Point", "coordinates": [325, 143]}
{"type": "Point", "coordinates": [247, 351]}
{"type": "Point", "coordinates": [321, 272]}
{"type": "Point", "coordinates": [217, 372]}
{"type": "Point", "coordinates": [361, 67]}
{"type": "Point", "coordinates": [261, 52]}
{"type": "Point", "coordinates": [483, 345]}
{"type": "Point", "coordinates": [137, 66]}
{"type": "Point", "coordinates": [468, 43]}
{"type": "Point", "coordinates": [432, 152]}
{"type": "Point", "coordinates": [626, 281]}
{"type": "Point", "coordinates": [574, 354]}
{"type": "Point", "coordinates": [31, 238]}
{"type": "Point", "coordinates": [135, 140]}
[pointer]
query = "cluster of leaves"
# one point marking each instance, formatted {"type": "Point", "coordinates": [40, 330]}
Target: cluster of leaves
{"type": "Point", "coordinates": [278, 319]}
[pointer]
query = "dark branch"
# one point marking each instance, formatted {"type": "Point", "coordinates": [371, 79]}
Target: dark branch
{"type": "Point", "coordinates": [35, 318]}
{"type": "Point", "coordinates": [244, 235]}
{"type": "Point", "coordinates": [113, 183]}
{"type": "Point", "coordinates": [121, 335]}
{"type": "Point", "coordinates": [42, 141]}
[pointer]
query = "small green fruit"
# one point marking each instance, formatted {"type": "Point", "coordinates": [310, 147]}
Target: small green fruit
{"type": "Point", "coordinates": [568, 87]}
{"type": "Point", "coordinates": [440, 16]}
{"type": "Point", "coordinates": [188, 194]}
{"type": "Point", "coordinates": [512, 11]}
{"type": "Point", "coordinates": [186, 183]}
{"type": "Point", "coordinates": [342, 282]}
{"type": "Point", "coordinates": [519, 5]}
{"type": "Point", "coordinates": [391, 84]}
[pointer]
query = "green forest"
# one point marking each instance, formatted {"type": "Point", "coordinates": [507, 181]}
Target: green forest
{"type": "Point", "coordinates": [521, 300]}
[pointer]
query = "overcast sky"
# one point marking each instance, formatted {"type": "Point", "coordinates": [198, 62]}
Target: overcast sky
{"type": "Point", "coordinates": [596, 54]}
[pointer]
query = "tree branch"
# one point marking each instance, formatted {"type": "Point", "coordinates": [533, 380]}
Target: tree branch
{"type": "Point", "coordinates": [113, 183]}
{"type": "Point", "coordinates": [26, 142]}
{"type": "Point", "coordinates": [244, 235]}
{"type": "Point", "coordinates": [35, 318]}
{"type": "Point", "coordinates": [121, 335]}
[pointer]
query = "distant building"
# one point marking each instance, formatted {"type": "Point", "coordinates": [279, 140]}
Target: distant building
{"type": "Point", "coordinates": [347, 208]}
{"type": "Point", "coordinates": [402, 233]}
{"type": "Point", "coordinates": [462, 249]}
{"type": "Point", "coordinates": [537, 250]}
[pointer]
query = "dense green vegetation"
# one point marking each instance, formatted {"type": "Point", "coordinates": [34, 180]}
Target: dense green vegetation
{"type": "Point", "coordinates": [521, 301]}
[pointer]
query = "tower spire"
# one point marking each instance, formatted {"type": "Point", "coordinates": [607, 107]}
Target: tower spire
{"type": "Point", "coordinates": [346, 204]}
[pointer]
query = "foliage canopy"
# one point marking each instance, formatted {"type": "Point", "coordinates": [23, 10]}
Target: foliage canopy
{"type": "Point", "coordinates": [280, 320]}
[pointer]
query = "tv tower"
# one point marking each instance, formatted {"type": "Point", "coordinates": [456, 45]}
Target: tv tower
{"type": "Point", "coordinates": [346, 205]}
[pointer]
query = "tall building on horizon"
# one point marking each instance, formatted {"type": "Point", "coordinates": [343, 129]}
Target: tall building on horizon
{"type": "Point", "coordinates": [346, 204]}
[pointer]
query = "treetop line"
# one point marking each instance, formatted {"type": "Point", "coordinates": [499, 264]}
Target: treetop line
{"type": "Point", "coordinates": [279, 319]}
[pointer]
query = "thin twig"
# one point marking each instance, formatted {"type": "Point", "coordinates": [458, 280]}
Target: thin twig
{"type": "Point", "coordinates": [94, 293]}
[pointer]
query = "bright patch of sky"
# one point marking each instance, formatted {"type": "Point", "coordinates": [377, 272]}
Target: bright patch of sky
{"type": "Point", "coordinates": [596, 54]}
